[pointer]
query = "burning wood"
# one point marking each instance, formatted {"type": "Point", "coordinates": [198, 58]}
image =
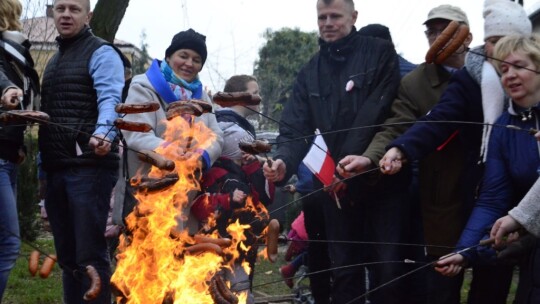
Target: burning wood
{"type": "Point", "coordinates": [156, 160]}
{"type": "Point", "coordinates": [230, 99]}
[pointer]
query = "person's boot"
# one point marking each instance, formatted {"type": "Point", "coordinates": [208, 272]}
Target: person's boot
{"type": "Point", "coordinates": [287, 273]}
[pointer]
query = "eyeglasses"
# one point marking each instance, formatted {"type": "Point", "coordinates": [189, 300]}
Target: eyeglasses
{"type": "Point", "coordinates": [433, 33]}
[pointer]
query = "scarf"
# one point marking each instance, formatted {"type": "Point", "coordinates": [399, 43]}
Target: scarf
{"type": "Point", "coordinates": [182, 89]}
{"type": "Point", "coordinates": [493, 96]}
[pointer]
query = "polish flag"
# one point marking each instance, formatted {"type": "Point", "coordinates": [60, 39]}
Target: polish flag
{"type": "Point", "coordinates": [319, 161]}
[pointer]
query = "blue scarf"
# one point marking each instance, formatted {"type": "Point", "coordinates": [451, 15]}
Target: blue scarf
{"type": "Point", "coordinates": [182, 89]}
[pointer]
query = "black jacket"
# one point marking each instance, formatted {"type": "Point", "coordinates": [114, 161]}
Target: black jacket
{"type": "Point", "coordinates": [320, 98]}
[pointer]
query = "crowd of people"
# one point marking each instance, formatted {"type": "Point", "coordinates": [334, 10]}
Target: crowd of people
{"type": "Point", "coordinates": [420, 179]}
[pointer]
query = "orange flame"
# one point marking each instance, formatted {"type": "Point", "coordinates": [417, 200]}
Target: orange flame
{"type": "Point", "coordinates": [152, 266]}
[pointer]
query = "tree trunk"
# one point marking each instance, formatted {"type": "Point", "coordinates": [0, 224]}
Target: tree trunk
{"type": "Point", "coordinates": [108, 15]}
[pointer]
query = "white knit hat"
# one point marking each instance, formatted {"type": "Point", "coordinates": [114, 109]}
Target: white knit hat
{"type": "Point", "coordinates": [505, 17]}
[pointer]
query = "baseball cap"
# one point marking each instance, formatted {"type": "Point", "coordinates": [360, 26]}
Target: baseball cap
{"type": "Point", "coordinates": [448, 12]}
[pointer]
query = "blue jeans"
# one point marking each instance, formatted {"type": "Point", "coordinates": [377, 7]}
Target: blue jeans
{"type": "Point", "coordinates": [10, 242]}
{"type": "Point", "coordinates": [77, 204]}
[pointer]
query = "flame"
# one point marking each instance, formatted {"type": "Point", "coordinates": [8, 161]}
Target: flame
{"type": "Point", "coordinates": [152, 266]}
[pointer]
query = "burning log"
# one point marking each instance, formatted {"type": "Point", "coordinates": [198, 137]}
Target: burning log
{"type": "Point", "coordinates": [272, 233]}
{"type": "Point", "coordinates": [135, 108]}
{"type": "Point", "coordinates": [220, 293]}
{"type": "Point", "coordinates": [156, 160]}
{"type": "Point", "coordinates": [95, 284]}
{"type": "Point", "coordinates": [230, 99]}
{"type": "Point", "coordinates": [132, 125]}
{"type": "Point", "coordinates": [23, 116]}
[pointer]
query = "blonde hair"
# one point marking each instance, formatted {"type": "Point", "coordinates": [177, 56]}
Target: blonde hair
{"type": "Point", "coordinates": [10, 13]}
{"type": "Point", "coordinates": [529, 45]}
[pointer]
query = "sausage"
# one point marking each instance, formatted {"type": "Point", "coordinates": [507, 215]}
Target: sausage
{"type": "Point", "coordinates": [47, 266]}
{"type": "Point", "coordinates": [23, 116]}
{"type": "Point", "coordinates": [454, 44]}
{"type": "Point", "coordinates": [215, 293]}
{"type": "Point", "coordinates": [203, 247]}
{"type": "Point", "coordinates": [229, 99]}
{"type": "Point", "coordinates": [205, 106]}
{"type": "Point", "coordinates": [132, 125]}
{"type": "Point", "coordinates": [221, 242]}
{"type": "Point", "coordinates": [95, 284]}
{"type": "Point", "coordinates": [156, 160]}
{"type": "Point", "coordinates": [225, 291]}
{"type": "Point", "coordinates": [188, 108]}
{"type": "Point", "coordinates": [157, 184]}
{"type": "Point", "coordinates": [255, 147]}
{"type": "Point", "coordinates": [135, 108]}
{"type": "Point", "coordinates": [33, 262]}
{"type": "Point", "coordinates": [441, 41]}
{"type": "Point", "coordinates": [272, 232]}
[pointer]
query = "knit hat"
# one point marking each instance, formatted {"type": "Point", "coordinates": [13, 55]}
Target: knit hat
{"type": "Point", "coordinates": [447, 12]}
{"type": "Point", "coordinates": [503, 18]}
{"type": "Point", "coordinates": [376, 30]}
{"type": "Point", "coordinates": [188, 40]}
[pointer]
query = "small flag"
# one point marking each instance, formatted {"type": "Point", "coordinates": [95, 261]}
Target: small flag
{"type": "Point", "coordinates": [319, 161]}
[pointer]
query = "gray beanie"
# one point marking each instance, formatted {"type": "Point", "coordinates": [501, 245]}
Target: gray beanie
{"type": "Point", "coordinates": [504, 17]}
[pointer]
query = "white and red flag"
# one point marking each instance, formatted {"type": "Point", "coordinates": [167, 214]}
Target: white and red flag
{"type": "Point", "coordinates": [319, 161]}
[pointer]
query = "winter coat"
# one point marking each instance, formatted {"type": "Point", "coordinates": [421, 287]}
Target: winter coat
{"type": "Point", "coordinates": [350, 83]}
{"type": "Point", "coordinates": [527, 212]}
{"type": "Point", "coordinates": [140, 91]}
{"type": "Point", "coordinates": [511, 169]}
{"type": "Point", "coordinates": [440, 172]}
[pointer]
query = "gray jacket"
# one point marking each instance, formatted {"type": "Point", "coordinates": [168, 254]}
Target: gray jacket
{"type": "Point", "coordinates": [527, 212]}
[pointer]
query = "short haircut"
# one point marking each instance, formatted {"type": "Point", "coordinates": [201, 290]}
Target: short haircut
{"type": "Point", "coordinates": [238, 83]}
{"type": "Point", "coordinates": [10, 13]}
{"type": "Point", "coordinates": [349, 2]}
{"type": "Point", "coordinates": [86, 3]}
{"type": "Point", "coordinates": [529, 45]}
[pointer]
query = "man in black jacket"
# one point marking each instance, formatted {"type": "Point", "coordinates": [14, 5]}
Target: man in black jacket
{"type": "Point", "coordinates": [351, 82]}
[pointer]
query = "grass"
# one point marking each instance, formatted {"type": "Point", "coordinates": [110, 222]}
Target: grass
{"type": "Point", "coordinates": [25, 289]}
{"type": "Point", "coordinates": [22, 288]}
